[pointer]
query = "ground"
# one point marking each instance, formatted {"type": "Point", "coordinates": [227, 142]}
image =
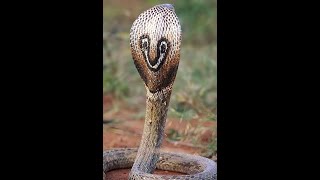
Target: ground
{"type": "Point", "coordinates": [120, 130]}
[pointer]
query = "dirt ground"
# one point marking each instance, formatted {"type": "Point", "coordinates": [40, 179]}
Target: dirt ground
{"type": "Point", "coordinates": [121, 131]}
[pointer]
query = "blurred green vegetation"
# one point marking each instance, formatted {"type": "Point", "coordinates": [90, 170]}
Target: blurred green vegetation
{"type": "Point", "coordinates": [198, 20]}
{"type": "Point", "coordinates": [195, 87]}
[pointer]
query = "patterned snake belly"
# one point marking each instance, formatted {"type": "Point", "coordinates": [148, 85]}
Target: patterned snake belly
{"type": "Point", "coordinates": [155, 40]}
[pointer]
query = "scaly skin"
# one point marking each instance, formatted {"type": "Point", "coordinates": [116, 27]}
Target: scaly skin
{"type": "Point", "coordinates": [155, 40]}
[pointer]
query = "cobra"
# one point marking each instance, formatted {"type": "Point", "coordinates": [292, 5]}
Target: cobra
{"type": "Point", "coordinates": [155, 42]}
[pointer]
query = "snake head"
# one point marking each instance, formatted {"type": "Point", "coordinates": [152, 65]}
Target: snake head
{"type": "Point", "coordinates": [155, 39]}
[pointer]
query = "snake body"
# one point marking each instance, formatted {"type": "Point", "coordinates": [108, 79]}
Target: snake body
{"type": "Point", "coordinates": [155, 40]}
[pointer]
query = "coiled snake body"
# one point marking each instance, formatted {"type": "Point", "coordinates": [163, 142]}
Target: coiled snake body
{"type": "Point", "coordinates": [155, 40]}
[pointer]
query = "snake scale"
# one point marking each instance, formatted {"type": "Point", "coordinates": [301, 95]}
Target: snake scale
{"type": "Point", "coordinates": [155, 40]}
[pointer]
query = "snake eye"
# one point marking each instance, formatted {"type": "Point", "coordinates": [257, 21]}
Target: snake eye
{"type": "Point", "coordinates": [163, 47]}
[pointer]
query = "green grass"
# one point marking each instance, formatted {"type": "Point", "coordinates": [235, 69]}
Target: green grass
{"type": "Point", "coordinates": [195, 85]}
{"type": "Point", "coordinates": [194, 90]}
{"type": "Point", "coordinates": [198, 20]}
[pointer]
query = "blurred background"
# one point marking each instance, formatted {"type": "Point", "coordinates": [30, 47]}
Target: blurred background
{"type": "Point", "coordinates": [191, 124]}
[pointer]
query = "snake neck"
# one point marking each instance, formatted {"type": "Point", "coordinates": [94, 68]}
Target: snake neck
{"type": "Point", "coordinates": [155, 119]}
